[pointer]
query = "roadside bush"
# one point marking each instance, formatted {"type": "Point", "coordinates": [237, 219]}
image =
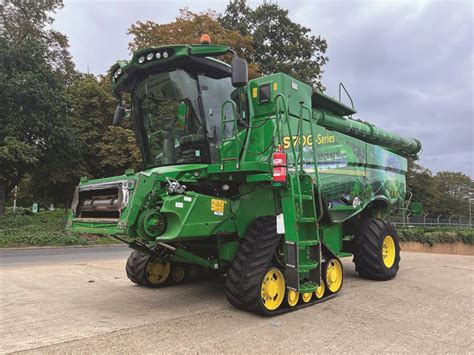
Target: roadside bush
{"type": "Point", "coordinates": [435, 236]}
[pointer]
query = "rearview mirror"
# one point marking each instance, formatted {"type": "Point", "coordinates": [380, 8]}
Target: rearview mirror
{"type": "Point", "coordinates": [240, 73]}
{"type": "Point", "coordinates": [118, 115]}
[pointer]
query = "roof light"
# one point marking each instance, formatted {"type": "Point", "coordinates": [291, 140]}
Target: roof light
{"type": "Point", "coordinates": [117, 73]}
{"type": "Point", "coordinates": [141, 59]}
{"type": "Point", "coordinates": [149, 56]}
{"type": "Point", "coordinates": [158, 55]}
{"type": "Point", "coordinates": [205, 39]}
{"type": "Point", "coordinates": [165, 55]}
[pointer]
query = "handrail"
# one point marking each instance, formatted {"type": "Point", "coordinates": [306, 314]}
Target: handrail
{"type": "Point", "coordinates": [235, 130]}
{"type": "Point", "coordinates": [316, 173]}
{"type": "Point", "coordinates": [224, 120]}
{"type": "Point", "coordinates": [347, 93]}
{"type": "Point", "coordinates": [292, 144]}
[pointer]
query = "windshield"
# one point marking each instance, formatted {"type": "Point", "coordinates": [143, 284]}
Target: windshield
{"type": "Point", "coordinates": [168, 117]}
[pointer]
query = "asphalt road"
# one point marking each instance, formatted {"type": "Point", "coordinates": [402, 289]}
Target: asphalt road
{"type": "Point", "coordinates": [80, 301]}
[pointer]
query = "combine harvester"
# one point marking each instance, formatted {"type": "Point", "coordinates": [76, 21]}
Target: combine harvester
{"type": "Point", "coordinates": [264, 181]}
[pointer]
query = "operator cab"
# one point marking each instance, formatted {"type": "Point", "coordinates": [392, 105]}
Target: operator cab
{"type": "Point", "coordinates": [176, 107]}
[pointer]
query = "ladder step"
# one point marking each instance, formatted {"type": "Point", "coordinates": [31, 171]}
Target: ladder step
{"type": "Point", "coordinates": [307, 220]}
{"type": "Point", "coordinates": [307, 243]}
{"type": "Point", "coordinates": [305, 197]}
{"type": "Point", "coordinates": [307, 267]}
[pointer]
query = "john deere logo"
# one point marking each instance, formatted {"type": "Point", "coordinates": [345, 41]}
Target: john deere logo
{"type": "Point", "coordinates": [308, 140]}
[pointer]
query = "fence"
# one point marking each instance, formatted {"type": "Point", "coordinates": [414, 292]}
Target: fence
{"type": "Point", "coordinates": [439, 221]}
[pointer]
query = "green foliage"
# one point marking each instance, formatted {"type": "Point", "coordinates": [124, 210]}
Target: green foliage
{"type": "Point", "coordinates": [444, 193]}
{"type": "Point", "coordinates": [45, 228]}
{"type": "Point", "coordinates": [432, 237]}
{"type": "Point", "coordinates": [118, 151]}
{"type": "Point", "coordinates": [31, 22]}
{"type": "Point", "coordinates": [280, 44]}
{"type": "Point", "coordinates": [32, 122]}
{"type": "Point", "coordinates": [92, 107]}
{"type": "Point", "coordinates": [455, 189]}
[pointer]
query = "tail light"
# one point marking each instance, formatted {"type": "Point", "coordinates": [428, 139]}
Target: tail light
{"type": "Point", "coordinates": [279, 166]}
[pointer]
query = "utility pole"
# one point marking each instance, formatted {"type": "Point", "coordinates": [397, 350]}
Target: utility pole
{"type": "Point", "coordinates": [470, 201]}
{"type": "Point", "coordinates": [15, 190]}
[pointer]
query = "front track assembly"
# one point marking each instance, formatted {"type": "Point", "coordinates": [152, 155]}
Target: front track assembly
{"type": "Point", "coordinates": [255, 281]}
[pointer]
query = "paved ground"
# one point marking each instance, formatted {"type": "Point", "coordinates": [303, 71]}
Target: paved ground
{"type": "Point", "coordinates": [80, 301]}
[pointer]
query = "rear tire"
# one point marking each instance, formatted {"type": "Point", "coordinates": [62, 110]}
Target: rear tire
{"type": "Point", "coordinates": [376, 250]}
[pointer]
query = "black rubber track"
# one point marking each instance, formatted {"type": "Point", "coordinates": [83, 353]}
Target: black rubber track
{"type": "Point", "coordinates": [248, 268]}
{"type": "Point", "coordinates": [368, 242]}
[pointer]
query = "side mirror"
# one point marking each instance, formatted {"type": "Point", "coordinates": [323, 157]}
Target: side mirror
{"type": "Point", "coordinates": [240, 72]}
{"type": "Point", "coordinates": [118, 115]}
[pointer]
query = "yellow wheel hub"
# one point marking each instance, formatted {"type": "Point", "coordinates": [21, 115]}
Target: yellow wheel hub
{"type": "Point", "coordinates": [388, 251]}
{"type": "Point", "coordinates": [157, 271]}
{"type": "Point", "coordinates": [334, 275]}
{"type": "Point", "coordinates": [319, 293]}
{"type": "Point", "coordinates": [292, 298]}
{"type": "Point", "coordinates": [306, 297]}
{"type": "Point", "coordinates": [272, 291]}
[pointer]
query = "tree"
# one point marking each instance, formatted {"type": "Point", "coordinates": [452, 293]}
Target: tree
{"type": "Point", "coordinates": [421, 184]}
{"type": "Point", "coordinates": [118, 151]}
{"type": "Point", "coordinates": [187, 29]}
{"type": "Point", "coordinates": [26, 21]}
{"type": "Point", "coordinates": [445, 193]}
{"type": "Point", "coordinates": [35, 66]}
{"type": "Point", "coordinates": [32, 110]}
{"type": "Point", "coordinates": [106, 150]}
{"type": "Point", "coordinates": [280, 44]}
{"type": "Point", "coordinates": [455, 188]}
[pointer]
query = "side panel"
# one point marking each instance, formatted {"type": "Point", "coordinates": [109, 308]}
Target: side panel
{"type": "Point", "coordinates": [386, 176]}
{"type": "Point", "coordinates": [352, 173]}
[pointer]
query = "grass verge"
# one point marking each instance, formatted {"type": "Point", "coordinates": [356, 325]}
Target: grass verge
{"type": "Point", "coordinates": [45, 228]}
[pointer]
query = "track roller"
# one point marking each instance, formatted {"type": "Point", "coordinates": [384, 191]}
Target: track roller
{"type": "Point", "coordinates": [292, 298]}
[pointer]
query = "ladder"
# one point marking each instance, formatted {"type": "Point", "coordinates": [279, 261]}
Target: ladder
{"type": "Point", "coordinates": [303, 243]}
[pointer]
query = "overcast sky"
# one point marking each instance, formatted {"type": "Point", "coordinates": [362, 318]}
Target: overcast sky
{"type": "Point", "coordinates": [408, 65]}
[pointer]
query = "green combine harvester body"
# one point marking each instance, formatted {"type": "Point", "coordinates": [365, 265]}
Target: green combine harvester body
{"type": "Point", "coordinates": [264, 181]}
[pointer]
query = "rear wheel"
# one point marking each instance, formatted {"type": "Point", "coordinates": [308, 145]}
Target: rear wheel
{"type": "Point", "coordinates": [376, 250]}
{"type": "Point", "coordinates": [333, 275]}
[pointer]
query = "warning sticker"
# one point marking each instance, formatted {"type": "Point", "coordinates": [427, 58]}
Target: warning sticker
{"type": "Point", "coordinates": [217, 206]}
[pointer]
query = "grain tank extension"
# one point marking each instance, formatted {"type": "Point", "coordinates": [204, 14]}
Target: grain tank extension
{"type": "Point", "coordinates": [264, 182]}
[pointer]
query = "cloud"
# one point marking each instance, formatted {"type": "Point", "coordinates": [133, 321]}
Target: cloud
{"type": "Point", "coordinates": [407, 64]}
